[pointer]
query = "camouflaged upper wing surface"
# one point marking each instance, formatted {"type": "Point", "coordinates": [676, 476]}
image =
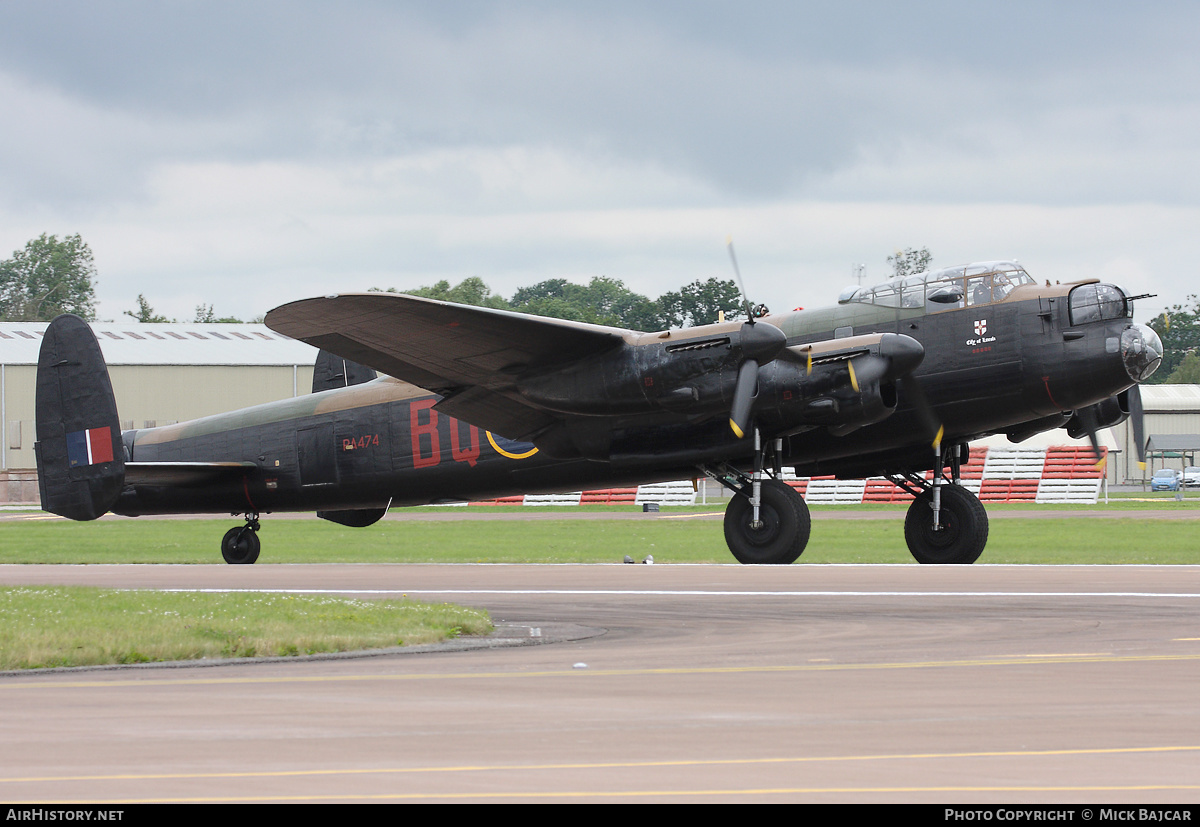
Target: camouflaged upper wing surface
{"type": "Point", "coordinates": [439, 346]}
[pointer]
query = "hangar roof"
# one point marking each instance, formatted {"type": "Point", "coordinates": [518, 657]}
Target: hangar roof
{"type": "Point", "coordinates": [1171, 398]}
{"type": "Point", "coordinates": [133, 343]}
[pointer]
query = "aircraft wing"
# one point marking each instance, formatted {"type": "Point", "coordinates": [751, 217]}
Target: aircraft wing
{"type": "Point", "coordinates": [470, 355]}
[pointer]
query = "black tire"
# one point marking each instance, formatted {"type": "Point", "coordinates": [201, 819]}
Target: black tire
{"type": "Point", "coordinates": [785, 526]}
{"type": "Point", "coordinates": [964, 529]}
{"type": "Point", "coordinates": [240, 546]}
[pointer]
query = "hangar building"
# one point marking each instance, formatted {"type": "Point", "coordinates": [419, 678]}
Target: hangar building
{"type": "Point", "coordinates": [161, 373]}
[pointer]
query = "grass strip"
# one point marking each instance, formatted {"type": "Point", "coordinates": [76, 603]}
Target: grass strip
{"type": "Point", "coordinates": [78, 626]}
{"type": "Point", "coordinates": [1012, 540]}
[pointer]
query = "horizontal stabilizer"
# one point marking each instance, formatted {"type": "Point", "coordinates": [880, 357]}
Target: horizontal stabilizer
{"type": "Point", "coordinates": [184, 473]}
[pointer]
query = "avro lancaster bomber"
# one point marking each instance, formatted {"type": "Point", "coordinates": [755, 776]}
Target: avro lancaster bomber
{"type": "Point", "coordinates": [418, 401]}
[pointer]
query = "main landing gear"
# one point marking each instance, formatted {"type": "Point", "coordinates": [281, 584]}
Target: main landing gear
{"type": "Point", "coordinates": [767, 520]}
{"type": "Point", "coordinates": [240, 545]}
{"type": "Point", "coordinates": [946, 523]}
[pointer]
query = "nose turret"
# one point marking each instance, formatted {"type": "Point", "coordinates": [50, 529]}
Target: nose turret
{"type": "Point", "coordinates": [1142, 352]}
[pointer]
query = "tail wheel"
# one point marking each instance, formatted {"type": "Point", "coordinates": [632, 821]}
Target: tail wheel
{"type": "Point", "coordinates": [962, 533]}
{"type": "Point", "coordinates": [783, 531]}
{"type": "Point", "coordinates": [240, 545]}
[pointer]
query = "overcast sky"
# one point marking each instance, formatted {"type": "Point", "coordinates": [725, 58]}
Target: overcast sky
{"type": "Point", "coordinates": [246, 154]}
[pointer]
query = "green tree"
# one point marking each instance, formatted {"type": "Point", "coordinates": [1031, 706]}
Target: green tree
{"type": "Point", "coordinates": [47, 278]}
{"type": "Point", "coordinates": [206, 315]}
{"type": "Point", "coordinates": [603, 300]}
{"type": "Point", "coordinates": [701, 302]}
{"type": "Point", "coordinates": [472, 291]}
{"type": "Point", "coordinates": [1179, 329]}
{"type": "Point", "coordinates": [909, 261]}
{"type": "Point", "coordinates": [145, 313]}
{"type": "Point", "coordinates": [1188, 372]}
{"type": "Point", "coordinates": [554, 298]}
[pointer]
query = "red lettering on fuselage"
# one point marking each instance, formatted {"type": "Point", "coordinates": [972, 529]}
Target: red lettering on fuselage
{"type": "Point", "coordinates": [427, 437]}
{"type": "Point", "coordinates": [470, 454]}
{"type": "Point", "coordinates": [430, 429]}
{"type": "Point", "coordinates": [364, 441]}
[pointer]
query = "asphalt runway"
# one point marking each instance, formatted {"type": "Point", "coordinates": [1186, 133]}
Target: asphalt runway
{"type": "Point", "coordinates": [974, 684]}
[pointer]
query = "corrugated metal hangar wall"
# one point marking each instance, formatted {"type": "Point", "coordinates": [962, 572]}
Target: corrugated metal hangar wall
{"type": "Point", "coordinates": [161, 373]}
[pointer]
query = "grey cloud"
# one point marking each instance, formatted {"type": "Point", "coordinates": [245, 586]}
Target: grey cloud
{"type": "Point", "coordinates": [761, 100]}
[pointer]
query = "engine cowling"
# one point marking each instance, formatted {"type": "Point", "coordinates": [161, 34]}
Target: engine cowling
{"type": "Point", "coordinates": [792, 400]}
{"type": "Point", "coordinates": [1105, 413]}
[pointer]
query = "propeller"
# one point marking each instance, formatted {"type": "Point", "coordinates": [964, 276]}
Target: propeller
{"type": "Point", "coordinates": [1087, 418]}
{"type": "Point", "coordinates": [1137, 414]}
{"type": "Point", "coordinates": [930, 424]}
{"type": "Point", "coordinates": [738, 275]}
{"type": "Point", "coordinates": [899, 356]}
{"type": "Point", "coordinates": [1091, 419]}
{"type": "Point", "coordinates": [760, 344]}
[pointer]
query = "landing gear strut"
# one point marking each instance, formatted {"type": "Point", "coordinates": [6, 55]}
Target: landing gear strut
{"type": "Point", "coordinates": [767, 521]}
{"type": "Point", "coordinates": [946, 523]}
{"type": "Point", "coordinates": [240, 545]}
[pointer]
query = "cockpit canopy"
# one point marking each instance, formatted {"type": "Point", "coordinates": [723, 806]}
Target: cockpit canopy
{"type": "Point", "coordinates": [1096, 302]}
{"type": "Point", "coordinates": [964, 285]}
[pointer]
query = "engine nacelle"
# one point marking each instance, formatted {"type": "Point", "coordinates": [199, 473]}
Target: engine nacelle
{"type": "Point", "coordinates": [1106, 414]}
{"type": "Point", "coordinates": [695, 373]}
{"type": "Point", "coordinates": [791, 400]}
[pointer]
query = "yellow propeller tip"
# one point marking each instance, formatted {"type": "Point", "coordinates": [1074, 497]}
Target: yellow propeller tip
{"type": "Point", "coordinates": [937, 440]}
{"type": "Point", "coordinates": [1101, 463]}
{"type": "Point", "coordinates": [736, 430]}
{"type": "Point", "coordinates": [853, 378]}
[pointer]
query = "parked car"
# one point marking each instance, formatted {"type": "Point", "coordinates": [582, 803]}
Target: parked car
{"type": "Point", "coordinates": [1165, 479]}
{"type": "Point", "coordinates": [1191, 476]}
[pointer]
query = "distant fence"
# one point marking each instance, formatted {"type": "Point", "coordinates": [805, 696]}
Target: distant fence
{"type": "Point", "coordinates": [1044, 475]}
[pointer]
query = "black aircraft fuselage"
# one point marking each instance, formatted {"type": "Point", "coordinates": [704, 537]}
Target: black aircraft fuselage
{"type": "Point", "coordinates": [855, 390]}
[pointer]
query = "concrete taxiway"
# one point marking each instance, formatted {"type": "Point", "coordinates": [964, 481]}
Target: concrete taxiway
{"type": "Point", "coordinates": [664, 683]}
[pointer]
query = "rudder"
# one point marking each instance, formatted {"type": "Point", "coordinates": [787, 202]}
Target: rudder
{"type": "Point", "coordinates": [80, 456]}
{"type": "Point", "coordinates": [330, 371]}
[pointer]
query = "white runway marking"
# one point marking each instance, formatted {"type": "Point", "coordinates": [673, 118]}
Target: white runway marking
{"type": "Point", "coordinates": [695, 593]}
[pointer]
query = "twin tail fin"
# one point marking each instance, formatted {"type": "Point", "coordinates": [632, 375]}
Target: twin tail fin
{"type": "Point", "coordinates": [80, 455]}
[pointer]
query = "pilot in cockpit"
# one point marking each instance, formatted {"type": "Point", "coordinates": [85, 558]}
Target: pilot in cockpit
{"type": "Point", "coordinates": [1001, 286]}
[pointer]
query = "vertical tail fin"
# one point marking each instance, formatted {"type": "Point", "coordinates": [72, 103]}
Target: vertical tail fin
{"type": "Point", "coordinates": [331, 372]}
{"type": "Point", "coordinates": [80, 457]}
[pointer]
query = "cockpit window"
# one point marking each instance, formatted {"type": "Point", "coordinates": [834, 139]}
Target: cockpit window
{"type": "Point", "coordinates": [990, 288]}
{"type": "Point", "coordinates": [1096, 302]}
{"type": "Point", "coordinates": [886, 295]}
{"type": "Point", "coordinates": [944, 289]}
